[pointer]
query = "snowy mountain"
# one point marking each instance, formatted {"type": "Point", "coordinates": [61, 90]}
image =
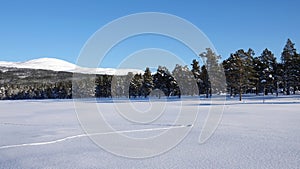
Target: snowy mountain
{"type": "Point", "coordinates": [61, 65]}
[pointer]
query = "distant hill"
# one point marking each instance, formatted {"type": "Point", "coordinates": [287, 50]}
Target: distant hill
{"type": "Point", "coordinates": [61, 65]}
{"type": "Point", "coordinates": [49, 78]}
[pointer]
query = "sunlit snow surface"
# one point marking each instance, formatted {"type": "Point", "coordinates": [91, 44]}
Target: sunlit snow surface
{"type": "Point", "coordinates": [252, 134]}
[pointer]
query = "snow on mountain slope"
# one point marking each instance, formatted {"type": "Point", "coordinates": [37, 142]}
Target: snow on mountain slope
{"type": "Point", "coordinates": [61, 65]}
{"type": "Point", "coordinates": [42, 63]}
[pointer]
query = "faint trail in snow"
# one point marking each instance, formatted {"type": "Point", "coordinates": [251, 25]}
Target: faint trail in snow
{"type": "Point", "coordinates": [18, 124]}
{"type": "Point", "coordinates": [31, 125]}
{"type": "Point", "coordinates": [86, 135]}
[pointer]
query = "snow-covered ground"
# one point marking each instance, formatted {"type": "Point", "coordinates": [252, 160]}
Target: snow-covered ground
{"type": "Point", "coordinates": [252, 134]}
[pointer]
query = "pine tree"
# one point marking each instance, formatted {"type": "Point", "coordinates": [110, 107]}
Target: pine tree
{"type": "Point", "coordinates": [240, 71]}
{"type": "Point", "coordinates": [136, 86]}
{"type": "Point", "coordinates": [258, 74]}
{"type": "Point", "coordinates": [279, 73]}
{"type": "Point", "coordinates": [231, 73]}
{"type": "Point", "coordinates": [196, 72]}
{"type": "Point", "coordinates": [164, 81]}
{"type": "Point", "coordinates": [268, 69]}
{"type": "Point", "coordinates": [147, 83]}
{"type": "Point", "coordinates": [290, 60]}
{"type": "Point", "coordinates": [205, 87]}
{"type": "Point", "coordinates": [215, 71]}
{"type": "Point", "coordinates": [103, 86]}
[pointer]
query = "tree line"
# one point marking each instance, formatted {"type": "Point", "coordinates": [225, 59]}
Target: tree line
{"type": "Point", "coordinates": [241, 73]}
{"type": "Point", "coordinates": [60, 90]}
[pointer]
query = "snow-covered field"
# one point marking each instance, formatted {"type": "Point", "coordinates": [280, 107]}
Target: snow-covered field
{"type": "Point", "coordinates": [251, 134]}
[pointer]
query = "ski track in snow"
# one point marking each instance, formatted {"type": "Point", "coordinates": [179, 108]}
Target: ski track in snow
{"type": "Point", "coordinates": [87, 135]}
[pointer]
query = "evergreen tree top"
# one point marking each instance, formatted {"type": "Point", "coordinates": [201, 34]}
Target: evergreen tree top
{"type": "Point", "coordinates": [289, 51]}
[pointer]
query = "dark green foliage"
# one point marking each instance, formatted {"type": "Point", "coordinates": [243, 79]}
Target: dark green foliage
{"type": "Point", "coordinates": [244, 74]}
{"type": "Point", "coordinates": [103, 86]}
{"type": "Point", "coordinates": [267, 68]}
{"type": "Point", "coordinates": [164, 81]}
{"type": "Point", "coordinates": [34, 84]}
{"type": "Point", "coordinates": [148, 84]}
{"type": "Point", "coordinates": [135, 87]}
{"type": "Point", "coordinates": [196, 72]}
{"type": "Point", "coordinates": [291, 67]}
{"type": "Point", "coordinates": [240, 72]}
{"type": "Point", "coordinates": [205, 86]}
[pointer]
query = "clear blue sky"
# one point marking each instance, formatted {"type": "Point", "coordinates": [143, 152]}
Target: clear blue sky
{"type": "Point", "coordinates": [32, 29]}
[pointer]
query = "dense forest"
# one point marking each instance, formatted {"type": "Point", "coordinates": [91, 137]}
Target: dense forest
{"type": "Point", "coordinates": [241, 73]}
{"type": "Point", "coordinates": [246, 73]}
